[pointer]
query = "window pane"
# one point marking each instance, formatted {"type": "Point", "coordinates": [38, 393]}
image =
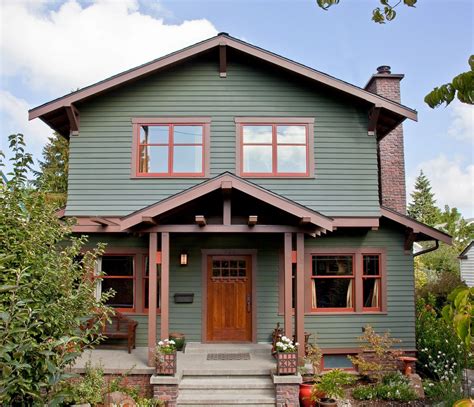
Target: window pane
{"type": "Point", "coordinates": [187, 159]}
{"type": "Point", "coordinates": [257, 134]}
{"type": "Point", "coordinates": [371, 292]}
{"type": "Point", "coordinates": [146, 293]}
{"type": "Point", "coordinates": [158, 134]}
{"type": "Point", "coordinates": [291, 159]}
{"type": "Point", "coordinates": [154, 159]}
{"type": "Point", "coordinates": [117, 265]}
{"type": "Point", "coordinates": [187, 134]}
{"type": "Point", "coordinates": [258, 159]}
{"type": "Point", "coordinates": [371, 265]}
{"type": "Point", "coordinates": [332, 265]}
{"type": "Point", "coordinates": [291, 134]}
{"type": "Point", "coordinates": [333, 293]}
{"type": "Point", "coordinates": [123, 288]}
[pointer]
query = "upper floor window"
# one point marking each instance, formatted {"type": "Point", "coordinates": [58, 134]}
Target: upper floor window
{"type": "Point", "coordinates": [275, 147]}
{"type": "Point", "coordinates": [171, 147]}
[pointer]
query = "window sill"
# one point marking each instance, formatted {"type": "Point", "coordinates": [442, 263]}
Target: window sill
{"type": "Point", "coordinates": [199, 177]}
{"type": "Point", "coordinates": [319, 313]}
{"type": "Point", "coordinates": [139, 314]}
{"type": "Point", "coordinates": [277, 176]}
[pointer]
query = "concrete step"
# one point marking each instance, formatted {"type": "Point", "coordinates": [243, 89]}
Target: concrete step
{"type": "Point", "coordinates": [226, 371]}
{"type": "Point", "coordinates": [226, 382]}
{"type": "Point", "coordinates": [252, 348]}
{"type": "Point", "coordinates": [226, 397]}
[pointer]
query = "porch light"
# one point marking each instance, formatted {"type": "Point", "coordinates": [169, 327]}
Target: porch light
{"type": "Point", "coordinates": [183, 259]}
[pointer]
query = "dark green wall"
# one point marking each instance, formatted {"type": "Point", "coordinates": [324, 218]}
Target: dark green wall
{"type": "Point", "coordinates": [345, 180]}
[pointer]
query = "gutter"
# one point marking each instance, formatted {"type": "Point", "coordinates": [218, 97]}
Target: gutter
{"type": "Point", "coordinates": [429, 249]}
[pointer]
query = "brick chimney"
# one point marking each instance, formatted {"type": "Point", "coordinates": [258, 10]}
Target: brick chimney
{"type": "Point", "coordinates": [391, 156]}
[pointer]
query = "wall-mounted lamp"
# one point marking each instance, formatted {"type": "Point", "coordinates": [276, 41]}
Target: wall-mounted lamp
{"type": "Point", "coordinates": [183, 259]}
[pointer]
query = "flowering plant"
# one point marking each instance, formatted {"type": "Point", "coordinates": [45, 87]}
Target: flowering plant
{"type": "Point", "coordinates": [286, 345]}
{"type": "Point", "coordinates": [166, 347]}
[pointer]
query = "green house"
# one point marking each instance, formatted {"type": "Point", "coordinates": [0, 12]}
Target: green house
{"type": "Point", "coordinates": [237, 189]}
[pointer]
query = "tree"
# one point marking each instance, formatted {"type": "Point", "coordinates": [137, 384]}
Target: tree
{"type": "Point", "coordinates": [462, 85]}
{"type": "Point", "coordinates": [452, 222]}
{"type": "Point", "coordinates": [423, 208]}
{"type": "Point", "coordinates": [52, 176]}
{"type": "Point", "coordinates": [47, 287]}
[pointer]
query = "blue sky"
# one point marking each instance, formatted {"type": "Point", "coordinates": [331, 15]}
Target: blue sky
{"type": "Point", "coordinates": [49, 48]}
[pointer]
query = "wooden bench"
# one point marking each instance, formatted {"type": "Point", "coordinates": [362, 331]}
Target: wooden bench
{"type": "Point", "coordinates": [119, 327]}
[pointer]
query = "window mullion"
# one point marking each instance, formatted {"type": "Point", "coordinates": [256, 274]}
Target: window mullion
{"type": "Point", "coordinates": [358, 281]}
{"type": "Point", "coordinates": [274, 151]}
{"type": "Point", "coordinates": [170, 148]}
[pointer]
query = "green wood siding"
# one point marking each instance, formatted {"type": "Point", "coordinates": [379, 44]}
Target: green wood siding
{"type": "Point", "coordinates": [331, 331]}
{"type": "Point", "coordinates": [345, 180]}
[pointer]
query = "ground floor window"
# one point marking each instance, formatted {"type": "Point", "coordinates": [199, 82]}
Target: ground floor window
{"type": "Point", "coordinates": [146, 284]}
{"type": "Point", "coordinates": [119, 275]}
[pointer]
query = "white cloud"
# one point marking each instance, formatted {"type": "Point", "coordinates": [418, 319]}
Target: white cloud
{"type": "Point", "coordinates": [452, 182]}
{"type": "Point", "coordinates": [462, 126]}
{"type": "Point", "coordinates": [76, 45]}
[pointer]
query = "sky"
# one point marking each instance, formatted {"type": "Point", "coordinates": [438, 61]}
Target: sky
{"type": "Point", "coordinates": [49, 48]}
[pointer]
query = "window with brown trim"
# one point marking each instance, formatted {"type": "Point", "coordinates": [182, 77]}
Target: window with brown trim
{"type": "Point", "coordinates": [170, 147]}
{"type": "Point", "coordinates": [119, 275]}
{"type": "Point", "coordinates": [275, 147]}
{"type": "Point", "coordinates": [332, 283]}
{"type": "Point", "coordinates": [372, 282]}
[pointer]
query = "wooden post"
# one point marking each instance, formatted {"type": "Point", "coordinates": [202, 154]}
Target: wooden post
{"type": "Point", "coordinates": [165, 284]}
{"type": "Point", "coordinates": [299, 306]}
{"type": "Point", "coordinates": [287, 287]}
{"type": "Point", "coordinates": [152, 296]}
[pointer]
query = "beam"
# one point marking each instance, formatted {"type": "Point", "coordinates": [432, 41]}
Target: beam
{"type": "Point", "coordinates": [222, 61]}
{"type": "Point", "coordinates": [253, 219]}
{"type": "Point", "coordinates": [287, 287]}
{"type": "Point", "coordinates": [305, 220]}
{"type": "Point", "coordinates": [73, 117]}
{"type": "Point", "coordinates": [299, 304]}
{"type": "Point", "coordinates": [165, 285]}
{"type": "Point", "coordinates": [152, 297]}
{"type": "Point", "coordinates": [373, 119]}
{"type": "Point", "coordinates": [200, 220]}
{"type": "Point", "coordinates": [227, 229]}
{"type": "Point", "coordinates": [149, 220]}
{"type": "Point", "coordinates": [226, 210]}
{"type": "Point", "coordinates": [102, 221]}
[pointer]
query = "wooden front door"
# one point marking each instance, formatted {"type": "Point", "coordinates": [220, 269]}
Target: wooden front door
{"type": "Point", "coordinates": [229, 298]}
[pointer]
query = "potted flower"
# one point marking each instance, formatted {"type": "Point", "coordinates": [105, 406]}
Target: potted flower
{"type": "Point", "coordinates": [179, 339]}
{"type": "Point", "coordinates": [331, 385]}
{"type": "Point", "coordinates": [313, 358]}
{"type": "Point", "coordinates": [165, 357]}
{"type": "Point", "coordinates": [287, 356]}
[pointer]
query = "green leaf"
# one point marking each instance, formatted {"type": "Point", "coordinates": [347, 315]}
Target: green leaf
{"type": "Point", "coordinates": [410, 3]}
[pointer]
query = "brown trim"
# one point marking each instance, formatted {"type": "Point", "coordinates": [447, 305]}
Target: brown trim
{"type": "Point", "coordinates": [103, 221]}
{"type": "Point", "coordinates": [74, 119]}
{"type": "Point", "coordinates": [357, 253]}
{"type": "Point", "coordinates": [463, 254]}
{"type": "Point", "coordinates": [216, 183]}
{"type": "Point", "coordinates": [164, 285]}
{"type": "Point", "coordinates": [205, 122]}
{"type": "Point", "coordinates": [374, 114]}
{"type": "Point", "coordinates": [198, 48]}
{"type": "Point", "coordinates": [300, 291]}
{"type": "Point", "coordinates": [227, 229]}
{"type": "Point", "coordinates": [228, 252]}
{"type": "Point", "coordinates": [222, 61]}
{"type": "Point", "coordinates": [152, 297]}
{"type": "Point", "coordinates": [226, 210]}
{"type": "Point", "coordinates": [287, 284]}
{"type": "Point", "coordinates": [355, 222]}
{"type": "Point", "coordinates": [308, 122]}
{"type": "Point", "coordinates": [417, 227]}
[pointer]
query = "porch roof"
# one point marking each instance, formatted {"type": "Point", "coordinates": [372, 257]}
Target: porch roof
{"type": "Point", "coordinates": [227, 182]}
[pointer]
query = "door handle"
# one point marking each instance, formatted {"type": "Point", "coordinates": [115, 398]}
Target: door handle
{"type": "Point", "coordinates": [249, 303]}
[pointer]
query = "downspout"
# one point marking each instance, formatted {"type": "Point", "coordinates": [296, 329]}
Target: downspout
{"type": "Point", "coordinates": [429, 249]}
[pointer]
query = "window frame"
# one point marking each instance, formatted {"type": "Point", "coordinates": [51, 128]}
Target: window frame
{"type": "Point", "coordinates": [307, 122]}
{"type": "Point", "coordinates": [158, 281]}
{"type": "Point", "coordinates": [137, 122]}
{"type": "Point", "coordinates": [133, 278]}
{"type": "Point", "coordinates": [332, 277]}
{"type": "Point", "coordinates": [372, 277]}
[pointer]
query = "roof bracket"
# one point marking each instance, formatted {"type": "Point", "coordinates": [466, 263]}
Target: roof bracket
{"type": "Point", "coordinates": [373, 119]}
{"type": "Point", "coordinates": [222, 61]}
{"type": "Point", "coordinates": [102, 221]}
{"type": "Point", "coordinates": [201, 220]}
{"type": "Point", "coordinates": [74, 119]}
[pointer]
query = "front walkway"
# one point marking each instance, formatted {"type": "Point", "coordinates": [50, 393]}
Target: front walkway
{"type": "Point", "coordinates": [193, 361]}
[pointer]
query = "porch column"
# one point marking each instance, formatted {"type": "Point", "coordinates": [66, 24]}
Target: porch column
{"type": "Point", "coordinates": [165, 284]}
{"type": "Point", "coordinates": [153, 245]}
{"type": "Point", "coordinates": [287, 285]}
{"type": "Point", "coordinates": [299, 306]}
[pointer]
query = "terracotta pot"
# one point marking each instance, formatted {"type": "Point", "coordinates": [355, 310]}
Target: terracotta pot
{"type": "Point", "coordinates": [305, 394]}
{"type": "Point", "coordinates": [325, 402]}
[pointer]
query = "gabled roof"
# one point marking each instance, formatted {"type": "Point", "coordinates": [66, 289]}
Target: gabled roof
{"type": "Point", "coordinates": [463, 254]}
{"type": "Point", "coordinates": [227, 180]}
{"type": "Point", "coordinates": [420, 230]}
{"type": "Point", "coordinates": [59, 112]}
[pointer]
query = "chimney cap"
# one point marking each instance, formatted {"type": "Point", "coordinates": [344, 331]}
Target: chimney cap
{"type": "Point", "coordinates": [223, 33]}
{"type": "Point", "coordinates": [384, 69]}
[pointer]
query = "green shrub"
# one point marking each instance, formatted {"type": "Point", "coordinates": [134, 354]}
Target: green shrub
{"type": "Point", "coordinates": [393, 387]}
{"type": "Point", "coordinates": [331, 384]}
{"type": "Point", "coordinates": [88, 389]}
{"type": "Point", "coordinates": [440, 351]}
{"type": "Point", "coordinates": [445, 391]}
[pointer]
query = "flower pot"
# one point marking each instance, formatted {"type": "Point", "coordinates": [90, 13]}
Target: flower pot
{"type": "Point", "coordinates": [166, 364]}
{"type": "Point", "coordinates": [179, 339]}
{"type": "Point", "coordinates": [287, 363]}
{"type": "Point", "coordinates": [325, 402]}
{"type": "Point", "coordinates": [305, 394]}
